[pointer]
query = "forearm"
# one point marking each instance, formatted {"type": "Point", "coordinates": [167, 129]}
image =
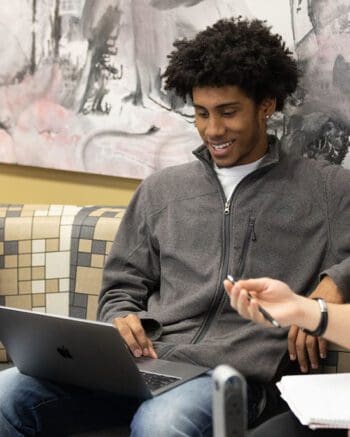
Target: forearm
{"type": "Point", "coordinates": [308, 316]}
{"type": "Point", "coordinates": [306, 313]}
{"type": "Point", "coordinates": [338, 328]}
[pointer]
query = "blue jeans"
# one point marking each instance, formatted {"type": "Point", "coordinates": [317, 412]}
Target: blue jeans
{"type": "Point", "coordinates": [30, 407]}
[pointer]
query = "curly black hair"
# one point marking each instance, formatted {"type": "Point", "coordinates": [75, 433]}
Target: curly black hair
{"type": "Point", "coordinates": [236, 52]}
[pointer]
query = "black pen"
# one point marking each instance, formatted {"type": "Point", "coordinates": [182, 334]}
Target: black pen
{"type": "Point", "coordinates": [266, 314]}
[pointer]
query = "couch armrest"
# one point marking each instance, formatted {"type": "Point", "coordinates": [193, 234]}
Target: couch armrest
{"type": "Point", "coordinates": [93, 233]}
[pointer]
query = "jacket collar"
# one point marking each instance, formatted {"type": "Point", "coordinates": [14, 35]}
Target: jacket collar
{"type": "Point", "coordinates": [272, 156]}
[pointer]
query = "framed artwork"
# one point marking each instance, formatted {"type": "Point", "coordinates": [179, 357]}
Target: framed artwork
{"type": "Point", "coordinates": [81, 81]}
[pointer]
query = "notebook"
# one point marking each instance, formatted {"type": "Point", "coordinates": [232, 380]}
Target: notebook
{"type": "Point", "coordinates": [87, 354]}
{"type": "Point", "coordinates": [318, 400]}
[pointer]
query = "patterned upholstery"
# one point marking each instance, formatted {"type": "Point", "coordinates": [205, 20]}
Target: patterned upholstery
{"type": "Point", "coordinates": [52, 257]}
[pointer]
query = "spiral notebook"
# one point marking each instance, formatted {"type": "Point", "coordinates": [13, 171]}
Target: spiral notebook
{"type": "Point", "coordinates": [318, 400]}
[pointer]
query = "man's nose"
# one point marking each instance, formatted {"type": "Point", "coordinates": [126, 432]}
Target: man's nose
{"type": "Point", "coordinates": [215, 127]}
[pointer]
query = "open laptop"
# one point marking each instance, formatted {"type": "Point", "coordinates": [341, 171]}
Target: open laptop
{"type": "Point", "coordinates": [85, 353]}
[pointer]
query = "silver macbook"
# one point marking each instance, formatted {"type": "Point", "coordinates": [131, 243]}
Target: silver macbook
{"type": "Point", "coordinates": [85, 353]}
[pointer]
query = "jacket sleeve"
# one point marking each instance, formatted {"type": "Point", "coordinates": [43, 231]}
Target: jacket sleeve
{"type": "Point", "coordinates": [338, 194]}
{"type": "Point", "coordinates": [131, 272]}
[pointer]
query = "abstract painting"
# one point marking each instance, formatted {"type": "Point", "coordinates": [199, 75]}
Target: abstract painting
{"type": "Point", "coordinates": [81, 84]}
{"type": "Point", "coordinates": [317, 121]}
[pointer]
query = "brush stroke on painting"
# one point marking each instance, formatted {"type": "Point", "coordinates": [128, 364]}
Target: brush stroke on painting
{"type": "Point", "coordinates": [81, 86]}
{"type": "Point", "coordinates": [318, 125]}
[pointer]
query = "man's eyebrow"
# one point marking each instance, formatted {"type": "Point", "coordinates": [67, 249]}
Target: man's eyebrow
{"type": "Point", "coordinates": [225, 105]}
{"type": "Point", "coordinates": [221, 106]}
{"type": "Point", "coordinates": [198, 106]}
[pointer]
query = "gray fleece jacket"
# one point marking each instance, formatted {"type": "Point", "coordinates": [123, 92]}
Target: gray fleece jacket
{"type": "Point", "coordinates": [179, 239]}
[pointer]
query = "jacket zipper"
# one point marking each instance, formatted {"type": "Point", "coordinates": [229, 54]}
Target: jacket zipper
{"type": "Point", "coordinates": [218, 292]}
{"type": "Point", "coordinates": [219, 295]}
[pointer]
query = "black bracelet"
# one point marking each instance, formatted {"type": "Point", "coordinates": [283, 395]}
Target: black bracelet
{"type": "Point", "coordinates": [322, 326]}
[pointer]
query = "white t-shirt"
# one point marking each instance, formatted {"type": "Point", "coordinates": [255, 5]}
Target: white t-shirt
{"type": "Point", "coordinates": [230, 177]}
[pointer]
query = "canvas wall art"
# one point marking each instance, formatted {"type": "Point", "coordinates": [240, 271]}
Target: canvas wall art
{"type": "Point", "coordinates": [81, 81]}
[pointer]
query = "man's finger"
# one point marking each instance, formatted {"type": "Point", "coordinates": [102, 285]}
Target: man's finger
{"type": "Point", "coordinates": [128, 336]}
{"type": "Point", "coordinates": [152, 352]}
{"type": "Point", "coordinates": [131, 330]}
{"type": "Point", "coordinates": [292, 338]}
{"type": "Point", "coordinates": [139, 334]}
{"type": "Point", "coordinates": [322, 347]}
{"type": "Point", "coordinates": [312, 350]}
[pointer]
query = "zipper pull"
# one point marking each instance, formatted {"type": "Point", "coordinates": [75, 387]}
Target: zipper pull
{"type": "Point", "coordinates": [252, 229]}
{"type": "Point", "coordinates": [227, 208]}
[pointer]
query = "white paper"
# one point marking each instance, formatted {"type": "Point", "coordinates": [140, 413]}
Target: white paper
{"type": "Point", "coordinates": [320, 400]}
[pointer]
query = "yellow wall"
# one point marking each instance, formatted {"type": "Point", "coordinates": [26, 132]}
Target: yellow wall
{"type": "Point", "coordinates": [19, 184]}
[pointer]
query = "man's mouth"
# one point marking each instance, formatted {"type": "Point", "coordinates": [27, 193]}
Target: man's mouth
{"type": "Point", "coordinates": [221, 146]}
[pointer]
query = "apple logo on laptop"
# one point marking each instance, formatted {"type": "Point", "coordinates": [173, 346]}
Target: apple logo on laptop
{"type": "Point", "coordinates": [64, 352]}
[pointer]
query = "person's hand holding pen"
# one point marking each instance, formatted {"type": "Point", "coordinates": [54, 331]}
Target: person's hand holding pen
{"type": "Point", "coordinates": [265, 301]}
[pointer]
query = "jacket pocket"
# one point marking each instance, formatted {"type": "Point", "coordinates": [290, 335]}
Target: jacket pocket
{"type": "Point", "coordinates": [248, 238]}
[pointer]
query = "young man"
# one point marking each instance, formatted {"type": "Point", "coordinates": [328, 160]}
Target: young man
{"type": "Point", "coordinates": [242, 207]}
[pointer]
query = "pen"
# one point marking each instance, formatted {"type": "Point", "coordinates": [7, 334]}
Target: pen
{"type": "Point", "coordinates": [265, 313]}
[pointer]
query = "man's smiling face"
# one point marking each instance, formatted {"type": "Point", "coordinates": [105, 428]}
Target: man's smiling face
{"type": "Point", "coordinates": [231, 124]}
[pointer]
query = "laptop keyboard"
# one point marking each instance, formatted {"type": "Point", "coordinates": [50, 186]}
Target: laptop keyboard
{"type": "Point", "coordinates": [155, 381]}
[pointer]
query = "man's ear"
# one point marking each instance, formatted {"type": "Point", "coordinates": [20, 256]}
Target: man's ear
{"type": "Point", "coordinates": [268, 107]}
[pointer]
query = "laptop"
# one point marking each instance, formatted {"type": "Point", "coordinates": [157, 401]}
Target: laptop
{"type": "Point", "coordinates": [87, 354]}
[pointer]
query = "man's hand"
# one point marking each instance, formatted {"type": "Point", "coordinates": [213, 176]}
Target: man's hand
{"type": "Point", "coordinates": [305, 347]}
{"type": "Point", "coordinates": [130, 328]}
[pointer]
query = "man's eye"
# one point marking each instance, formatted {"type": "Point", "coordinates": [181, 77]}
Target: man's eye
{"type": "Point", "coordinates": [228, 113]}
{"type": "Point", "coordinates": [202, 114]}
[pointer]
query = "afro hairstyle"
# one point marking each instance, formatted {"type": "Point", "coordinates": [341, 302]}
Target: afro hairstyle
{"type": "Point", "coordinates": [234, 52]}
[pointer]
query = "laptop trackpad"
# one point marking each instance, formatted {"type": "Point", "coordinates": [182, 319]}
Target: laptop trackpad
{"type": "Point", "coordinates": [170, 368]}
{"type": "Point", "coordinates": [161, 375]}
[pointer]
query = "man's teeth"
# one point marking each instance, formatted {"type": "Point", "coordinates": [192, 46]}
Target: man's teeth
{"type": "Point", "coordinates": [222, 146]}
